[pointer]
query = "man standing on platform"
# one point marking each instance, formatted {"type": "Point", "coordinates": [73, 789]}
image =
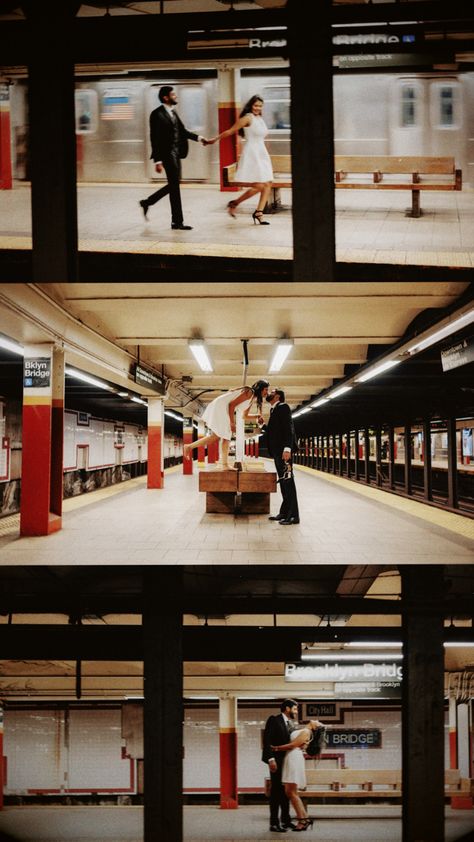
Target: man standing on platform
{"type": "Point", "coordinates": [280, 437]}
{"type": "Point", "coordinates": [169, 144]}
{"type": "Point", "coordinates": [277, 732]}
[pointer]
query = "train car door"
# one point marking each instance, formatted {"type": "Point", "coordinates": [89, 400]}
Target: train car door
{"type": "Point", "coordinates": [446, 119]}
{"type": "Point", "coordinates": [192, 107]}
{"type": "Point", "coordinates": [409, 124]}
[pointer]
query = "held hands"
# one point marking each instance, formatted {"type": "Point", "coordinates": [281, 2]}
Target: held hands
{"type": "Point", "coordinates": [208, 141]}
{"type": "Point", "coordinates": [272, 765]}
{"type": "Point", "coordinates": [159, 167]}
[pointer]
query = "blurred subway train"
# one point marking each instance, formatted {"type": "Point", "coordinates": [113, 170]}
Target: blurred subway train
{"type": "Point", "coordinates": [374, 114]}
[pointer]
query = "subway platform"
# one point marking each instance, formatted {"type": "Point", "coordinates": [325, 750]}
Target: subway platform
{"type": "Point", "coordinates": [341, 523]}
{"type": "Point", "coordinates": [358, 823]}
{"type": "Point", "coordinates": [371, 227]}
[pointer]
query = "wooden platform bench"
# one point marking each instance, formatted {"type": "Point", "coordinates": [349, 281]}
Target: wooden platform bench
{"type": "Point", "coordinates": [237, 492]}
{"type": "Point", "coordinates": [371, 172]}
{"type": "Point", "coordinates": [377, 783]}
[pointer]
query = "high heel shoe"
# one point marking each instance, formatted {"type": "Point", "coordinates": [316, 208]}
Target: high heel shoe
{"type": "Point", "coordinates": [257, 217]}
{"type": "Point", "coordinates": [231, 206]}
{"type": "Point", "coordinates": [305, 824]}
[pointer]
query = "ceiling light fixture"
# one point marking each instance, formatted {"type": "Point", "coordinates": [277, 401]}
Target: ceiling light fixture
{"type": "Point", "coordinates": [462, 321]}
{"type": "Point", "coordinates": [138, 400]}
{"type": "Point", "coordinates": [319, 402]}
{"type": "Point", "coordinates": [282, 349]}
{"type": "Point", "coordinates": [11, 345]}
{"type": "Point", "coordinates": [378, 369]}
{"type": "Point", "coordinates": [199, 351]}
{"type": "Point", "coordinates": [86, 378]}
{"type": "Point", "coordinates": [341, 391]}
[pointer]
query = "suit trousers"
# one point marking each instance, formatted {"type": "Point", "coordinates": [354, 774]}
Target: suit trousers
{"type": "Point", "coordinates": [278, 801]}
{"type": "Point", "coordinates": [172, 167]}
{"type": "Point", "coordinates": [289, 504]}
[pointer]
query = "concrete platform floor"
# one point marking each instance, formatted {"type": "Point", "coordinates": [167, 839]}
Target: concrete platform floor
{"type": "Point", "coordinates": [371, 226]}
{"type": "Point", "coordinates": [341, 523]}
{"type": "Point", "coordinates": [247, 824]}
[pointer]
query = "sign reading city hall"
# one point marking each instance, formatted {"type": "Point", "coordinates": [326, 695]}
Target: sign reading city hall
{"type": "Point", "coordinates": [351, 680]}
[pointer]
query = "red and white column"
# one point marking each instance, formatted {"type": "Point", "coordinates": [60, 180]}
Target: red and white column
{"type": "Point", "coordinates": [42, 446]}
{"type": "Point", "coordinates": [201, 450]}
{"type": "Point", "coordinates": [227, 115]}
{"type": "Point", "coordinates": [229, 799]}
{"type": "Point", "coordinates": [156, 429]}
{"type": "Point", "coordinates": [213, 452]}
{"type": "Point", "coordinates": [6, 181]}
{"type": "Point", "coordinates": [257, 450]}
{"type": "Point", "coordinates": [464, 753]}
{"type": "Point", "coordinates": [453, 749]}
{"type": "Point", "coordinates": [187, 439]}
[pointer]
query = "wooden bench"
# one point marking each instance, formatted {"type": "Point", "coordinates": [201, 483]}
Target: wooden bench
{"type": "Point", "coordinates": [422, 173]}
{"type": "Point", "coordinates": [367, 172]}
{"type": "Point", "coordinates": [373, 783]}
{"type": "Point", "coordinates": [237, 492]}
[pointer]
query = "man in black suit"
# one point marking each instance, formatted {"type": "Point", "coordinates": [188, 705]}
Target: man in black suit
{"type": "Point", "coordinates": [277, 733]}
{"type": "Point", "coordinates": [169, 143]}
{"type": "Point", "coordinates": [280, 438]}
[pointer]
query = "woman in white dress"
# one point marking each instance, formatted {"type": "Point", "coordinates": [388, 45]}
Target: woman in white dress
{"type": "Point", "coordinates": [293, 775]}
{"type": "Point", "coordinates": [255, 165]}
{"type": "Point", "coordinates": [219, 416]}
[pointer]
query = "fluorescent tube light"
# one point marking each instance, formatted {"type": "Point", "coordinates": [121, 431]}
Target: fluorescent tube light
{"type": "Point", "coordinates": [341, 391]}
{"type": "Point", "coordinates": [370, 656]}
{"type": "Point", "coordinates": [280, 354]}
{"type": "Point", "coordinates": [319, 402]}
{"type": "Point", "coordinates": [138, 400]}
{"type": "Point", "coordinates": [378, 369]}
{"type": "Point", "coordinates": [122, 394]}
{"type": "Point", "coordinates": [366, 644]}
{"type": "Point", "coordinates": [86, 378]}
{"type": "Point", "coordinates": [173, 415]}
{"type": "Point", "coordinates": [12, 346]}
{"type": "Point", "coordinates": [459, 644]}
{"type": "Point", "coordinates": [451, 327]}
{"type": "Point", "coordinates": [198, 349]}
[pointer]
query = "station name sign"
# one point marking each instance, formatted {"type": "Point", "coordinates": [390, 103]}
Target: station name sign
{"type": "Point", "coordinates": [272, 40]}
{"type": "Point", "coordinates": [37, 372]}
{"type": "Point", "coordinates": [145, 377]}
{"type": "Point", "coordinates": [460, 354]}
{"type": "Point", "coordinates": [344, 671]}
{"type": "Point", "coordinates": [353, 738]}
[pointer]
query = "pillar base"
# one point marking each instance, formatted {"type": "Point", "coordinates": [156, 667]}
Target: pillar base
{"type": "Point", "coordinates": [55, 523]}
{"type": "Point", "coordinates": [228, 804]}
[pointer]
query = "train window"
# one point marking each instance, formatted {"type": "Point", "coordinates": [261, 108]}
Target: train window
{"type": "Point", "coordinates": [408, 106]}
{"type": "Point", "coordinates": [192, 100]}
{"type": "Point", "coordinates": [445, 106]}
{"type": "Point", "coordinates": [277, 107]}
{"type": "Point", "coordinates": [86, 107]}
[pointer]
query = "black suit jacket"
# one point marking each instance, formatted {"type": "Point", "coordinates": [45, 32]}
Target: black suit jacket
{"type": "Point", "coordinates": [162, 135]}
{"type": "Point", "coordinates": [275, 734]}
{"type": "Point", "coordinates": [280, 430]}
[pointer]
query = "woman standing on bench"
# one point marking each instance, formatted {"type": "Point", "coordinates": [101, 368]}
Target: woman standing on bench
{"type": "Point", "coordinates": [255, 165]}
{"type": "Point", "coordinates": [220, 417]}
{"type": "Point", "coordinates": [293, 775]}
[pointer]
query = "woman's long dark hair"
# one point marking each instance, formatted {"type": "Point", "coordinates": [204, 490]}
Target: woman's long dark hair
{"type": "Point", "coordinates": [257, 390]}
{"type": "Point", "coordinates": [247, 109]}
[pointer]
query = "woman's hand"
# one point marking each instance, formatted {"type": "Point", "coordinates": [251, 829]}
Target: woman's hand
{"type": "Point", "coordinates": [275, 748]}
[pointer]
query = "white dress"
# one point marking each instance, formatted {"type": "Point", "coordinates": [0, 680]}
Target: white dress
{"type": "Point", "coordinates": [255, 163]}
{"type": "Point", "coordinates": [293, 769]}
{"type": "Point", "coordinates": [216, 414]}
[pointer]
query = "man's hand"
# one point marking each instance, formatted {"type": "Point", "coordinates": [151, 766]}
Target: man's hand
{"type": "Point", "coordinates": [159, 167]}
{"type": "Point", "coordinates": [286, 456]}
{"type": "Point", "coordinates": [272, 765]}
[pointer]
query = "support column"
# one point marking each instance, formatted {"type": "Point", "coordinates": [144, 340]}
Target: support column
{"type": "Point", "coordinates": [407, 440]}
{"type": "Point", "coordinates": [423, 704]}
{"type": "Point", "coordinates": [188, 439]}
{"type": "Point", "coordinates": [463, 746]}
{"type": "Point", "coordinates": [156, 428]}
{"type": "Point", "coordinates": [228, 83]}
{"type": "Point", "coordinates": [341, 469]}
{"type": "Point", "coordinates": [163, 705]}
{"type": "Point", "coordinates": [367, 455]}
{"type": "Point", "coordinates": [42, 448]}
{"type": "Point", "coordinates": [452, 464]}
{"type": "Point", "coordinates": [453, 746]}
{"type": "Point", "coordinates": [427, 473]}
{"type": "Point", "coordinates": [378, 457]}
{"type": "Point", "coordinates": [310, 54]}
{"type": "Point", "coordinates": [6, 181]}
{"type": "Point", "coordinates": [201, 450]}
{"type": "Point", "coordinates": [348, 454]}
{"type": "Point", "coordinates": [257, 447]}
{"type": "Point", "coordinates": [391, 457]}
{"type": "Point", "coordinates": [53, 144]}
{"type": "Point", "coordinates": [229, 798]}
{"type": "Point", "coordinates": [213, 453]}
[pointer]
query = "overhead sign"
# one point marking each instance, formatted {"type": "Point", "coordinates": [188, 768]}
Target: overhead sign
{"type": "Point", "coordinates": [321, 709]}
{"type": "Point", "coordinates": [460, 354]}
{"type": "Point", "coordinates": [37, 372]}
{"type": "Point", "coordinates": [353, 738]}
{"type": "Point", "coordinates": [344, 671]}
{"type": "Point", "coordinates": [150, 379]}
{"type": "Point", "coordinates": [367, 690]}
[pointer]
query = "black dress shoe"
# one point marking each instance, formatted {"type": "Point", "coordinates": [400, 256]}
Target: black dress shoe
{"type": "Point", "coordinates": [288, 825]}
{"type": "Point", "coordinates": [181, 227]}
{"type": "Point", "coordinates": [288, 521]}
{"type": "Point", "coordinates": [277, 828]}
{"type": "Point", "coordinates": [144, 206]}
{"type": "Point", "coordinates": [275, 517]}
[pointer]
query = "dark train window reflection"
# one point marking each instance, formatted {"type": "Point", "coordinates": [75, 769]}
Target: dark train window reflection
{"type": "Point", "coordinates": [408, 117]}
{"type": "Point", "coordinates": [277, 106]}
